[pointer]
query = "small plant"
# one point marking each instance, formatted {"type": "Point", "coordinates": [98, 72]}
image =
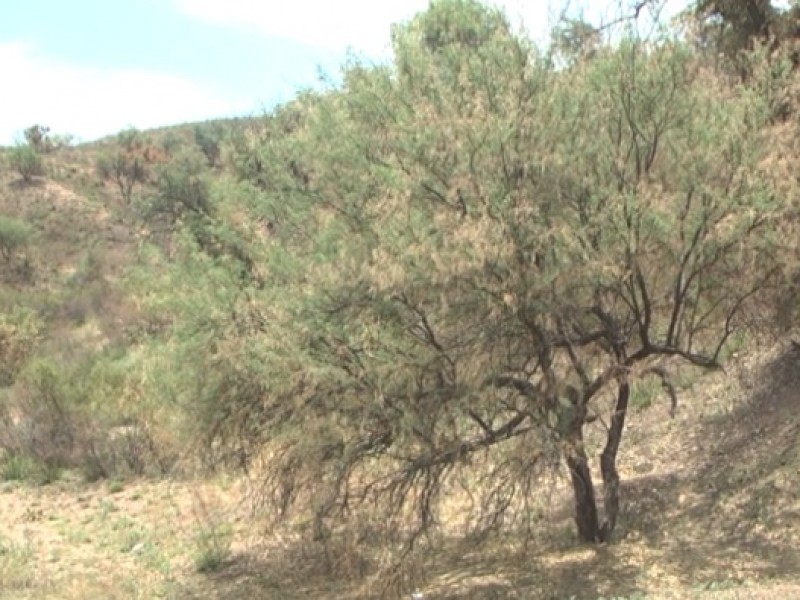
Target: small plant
{"type": "Point", "coordinates": [19, 336]}
{"type": "Point", "coordinates": [14, 235]}
{"type": "Point", "coordinates": [16, 467]}
{"type": "Point", "coordinates": [106, 508]}
{"type": "Point", "coordinates": [644, 392]}
{"type": "Point", "coordinates": [16, 565]}
{"type": "Point", "coordinates": [27, 161]}
{"type": "Point", "coordinates": [213, 544]}
{"type": "Point", "coordinates": [212, 540]}
{"type": "Point", "coordinates": [23, 467]}
{"type": "Point", "coordinates": [38, 138]}
{"type": "Point", "coordinates": [133, 537]}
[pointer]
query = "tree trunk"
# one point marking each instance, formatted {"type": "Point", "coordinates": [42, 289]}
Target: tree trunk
{"type": "Point", "coordinates": [582, 487]}
{"type": "Point", "coordinates": [608, 463]}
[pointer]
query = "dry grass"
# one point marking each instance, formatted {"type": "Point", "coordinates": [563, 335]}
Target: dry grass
{"type": "Point", "coordinates": [712, 510]}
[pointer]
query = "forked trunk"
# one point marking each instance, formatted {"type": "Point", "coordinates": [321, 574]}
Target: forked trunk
{"type": "Point", "coordinates": [608, 463]}
{"type": "Point", "coordinates": [583, 489]}
{"type": "Point", "coordinates": [586, 516]}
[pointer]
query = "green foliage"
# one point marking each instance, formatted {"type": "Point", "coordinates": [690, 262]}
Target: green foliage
{"type": "Point", "coordinates": [27, 161]}
{"type": "Point", "coordinates": [38, 138]}
{"type": "Point", "coordinates": [126, 163]}
{"type": "Point", "coordinates": [22, 467]}
{"type": "Point", "coordinates": [82, 411]}
{"type": "Point", "coordinates": [213, 547]}
{"type": "Point", "coordinates": [733, 26]}
{"type": "Point", "coordinates": [209, 137]}
{"type": "Point", "coordinates": [734, 29]}
{"type": "Point", "coordinates": [182, 189]}
{"type": "Point", "coordinates": [213, 538]}
{"type": "Point", "coordinates": [469, 251]}
{"type": "Point", "coordinates": [644, 392]}
{"type": "Point", "coordinates": [20, 333]}
{"type": "Point", "coordinates": [17, 567]}
{"type": "Point", "coordinates": [14, 235]}
{"type": "Point", "coordinates": [574, 40]}
{"type": "Point", "coordinates": [16, 468]}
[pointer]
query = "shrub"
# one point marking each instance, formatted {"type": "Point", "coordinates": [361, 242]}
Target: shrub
{"type": "Point", "coordinates": [14, 234]}
{"type": "Point", "coordinates": [17, 567]}
{"type": "Point", "coordinates": [59, 415]}
{"type": "Point", "coordinates": [183, 190]}
{"type": "Point", "coordinates": [27, 161]}
{"type": "Point", "coordinates": [208, 137]}
{"type": "Point", "coordinates": [125, 164]}
{"type": "Point", "coordinates": [19, 335]}
{"type": "Point", "coordinates": [212, 539]}
{"type": "Point", "coordinates": [38, 138]}
{"type": "Point", "coordinates": [20, 467]}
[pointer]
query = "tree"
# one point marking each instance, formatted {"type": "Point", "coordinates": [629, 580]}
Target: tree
{"type": "Point", "coordinates": [736, 28]}
{"type": "Point", "coordinates": [27, 161]}
{"type": "Point", "coordinates": [183, 188]}
{"type": "Point", "coordinates": [480, 256]}
{"type": "Point", "coordinates": [208, 138]}
{"type": "Point", "coordinates": [575, 39]}
{"type": "Point", "coordinates": [126, 163]}
{"type": "Point", "coordinates": [38, 137]}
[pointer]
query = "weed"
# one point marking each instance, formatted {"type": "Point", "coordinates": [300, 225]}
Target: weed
{"type": "Point", "coordinates": [16, 565]}
{"type": "Point", "coordinates": [106, 508]}
{"type": "Point", "coordinates": [133, 540]}
{"type": "Point", "coordinates": [16, 467]}
{"type": "Point", "coordinates": [21, 467]}
{"type": "Point", "coordinates": [212, 546]}
{"type": "Point", "coordinates": [644, 392]}
{"type": "Point", "coordinates": [213, 538]}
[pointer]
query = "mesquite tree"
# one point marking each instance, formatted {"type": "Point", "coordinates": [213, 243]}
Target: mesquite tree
{"type": "Point", "coordinates": [473, 256]}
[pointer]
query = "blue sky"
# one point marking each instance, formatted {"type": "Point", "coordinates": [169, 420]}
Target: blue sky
{"type": "Point", "coordinates": [92, 67]}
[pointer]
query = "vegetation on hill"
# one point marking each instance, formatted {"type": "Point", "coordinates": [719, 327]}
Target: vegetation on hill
{"type": "Point", "coordinates": [401, 304]}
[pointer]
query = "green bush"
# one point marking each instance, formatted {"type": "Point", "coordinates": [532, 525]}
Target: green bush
{"type": "Point", "coordinates": [183, 190]}
{"type": "Point", "coordinates": [14, 234]}
{"type": "Point", "coordinates": [17, 570]}
{"type": "Point", "coordinates": [126, 163]}
{"type": "Point", "coordinates": [19, 336]}
{"type": "Point", "coordinates": [38, 138]}
{"type": "Point", "coordinates": [27, 161]}
{"type": "Point", "coordinates": [19, 467]}
{"type": "Point", "coordinates": [81, 409]}
{"type": "Point", "coordinates": [208, 138]}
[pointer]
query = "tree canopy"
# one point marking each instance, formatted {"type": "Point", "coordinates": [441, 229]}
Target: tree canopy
{"type": "Point", "coordinates": [459, 262]}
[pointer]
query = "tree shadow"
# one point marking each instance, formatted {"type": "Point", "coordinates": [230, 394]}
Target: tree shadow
{"type": "Point", "coordinates": [736, 509]}
{"type": "Point", "coordinates": [721, 515]}
{"type": "Point", "coordinates": [23, 184]}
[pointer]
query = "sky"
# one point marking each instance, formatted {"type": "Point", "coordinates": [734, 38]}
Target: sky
{"type": "Point", "coordinates": [90, 68]}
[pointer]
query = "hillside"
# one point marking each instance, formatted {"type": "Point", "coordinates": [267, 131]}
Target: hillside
{"type": "Point", "coordinates": [483, 322]}
{"type": "Point", "coordinates": [712, 509]}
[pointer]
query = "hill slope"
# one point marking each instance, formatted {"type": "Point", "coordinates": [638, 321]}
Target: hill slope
{"type": "Point", "coordinates": [712, 511]}
{"type": "Point", "coordinates": [711, 502]}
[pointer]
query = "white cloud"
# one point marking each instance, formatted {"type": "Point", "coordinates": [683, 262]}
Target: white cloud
{"type": "Point", "coordinates": [91, 102]}
{"type": "Point", "coordinates": [362, 25]}
{"type": "Point", "coordinates": [331, 25]}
